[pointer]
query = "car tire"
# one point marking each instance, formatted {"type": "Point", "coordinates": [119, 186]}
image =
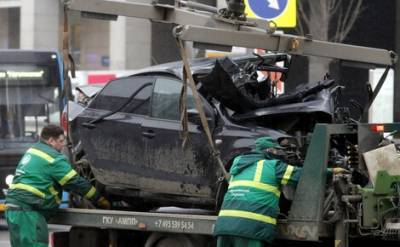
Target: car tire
{"type": "Point", "coordinates": [82, 167]}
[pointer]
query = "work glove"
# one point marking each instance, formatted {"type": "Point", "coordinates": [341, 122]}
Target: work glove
{"type": "Point", "coordinates": [339, 170]}
{"type": "Point", "coordinates": [103, 203]}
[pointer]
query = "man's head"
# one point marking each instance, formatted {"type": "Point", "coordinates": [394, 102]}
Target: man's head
{"type": "Point", "coordinates": [53, 135]}
{"type": "Point", "coordinates": [265, 143]}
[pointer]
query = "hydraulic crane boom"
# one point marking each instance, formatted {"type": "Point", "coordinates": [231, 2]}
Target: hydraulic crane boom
{"type": "Point", "coordinates": [291, 44]}
{"type": "Point", "coordinates": [210, 28]}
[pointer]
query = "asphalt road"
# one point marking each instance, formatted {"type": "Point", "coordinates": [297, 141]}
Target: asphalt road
{"type": "Point", "coordinates": [4, 238]}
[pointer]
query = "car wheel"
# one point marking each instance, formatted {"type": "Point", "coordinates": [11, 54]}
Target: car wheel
{"type": "Point", "coordinates": [82, 167]}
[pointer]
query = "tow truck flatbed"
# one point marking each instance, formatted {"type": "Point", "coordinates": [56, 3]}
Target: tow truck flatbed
{"type": "Point", "coordinates": [184, 221]}
{"type": "Point", "coordinates": [140, 221]}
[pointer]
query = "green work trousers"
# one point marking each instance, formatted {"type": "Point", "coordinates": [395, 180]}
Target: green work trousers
{"type": "Point", "coordinates": [27, 228]}
{"type": "Point", "coordinates": [232, 241]}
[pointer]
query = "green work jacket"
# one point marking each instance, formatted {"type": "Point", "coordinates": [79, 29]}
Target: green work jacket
{"type": "Point", "coordinates": [251, 204]}
{"type": "Point", "coordinates": [41, 175]}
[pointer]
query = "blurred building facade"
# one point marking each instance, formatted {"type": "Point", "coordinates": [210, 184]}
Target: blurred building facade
{"type": "Point", "coordinates": [95, 44]}
{"type": "Point", "coordinates": [128, 43]}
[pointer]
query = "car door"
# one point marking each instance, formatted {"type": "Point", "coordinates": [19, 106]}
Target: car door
{"type": "Point", "coordinates": [183, 171]}
{"type": "Point", "coordinates": [114, 145]}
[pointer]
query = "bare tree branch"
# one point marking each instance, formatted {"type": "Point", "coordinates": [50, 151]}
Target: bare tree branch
{"type": "Point", "coordinates": [302, 19]}
{"type": "Point", "coordinates": [335, 6]}
{"type": "Point", "coordinates": [300, 26]}
{"type": "Point", "coordinates": [317, 16]}
{"type": "Point", "coordinates": [347, 26]}
{"type": "Point", "coordinates": [315, 8]}
{"type": "Point", "coordinates": [347, 14]}
{"type": "Point", "coordinates": [330, 4]}
{"type": "Point", "coordinates": [303, 16]}
{"type": "Point", "coordinates": [336, 36]}
{"type": "Point", "coordinates": [330, 20]}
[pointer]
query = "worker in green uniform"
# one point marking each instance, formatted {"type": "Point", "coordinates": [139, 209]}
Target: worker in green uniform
{"type": "Point", "coordinates": [37, 186]}
{"type": "Point", "coordinates": [251, 205]}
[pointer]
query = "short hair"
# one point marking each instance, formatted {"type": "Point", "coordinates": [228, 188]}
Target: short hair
{"type": "Point", "coordinates": [51, 130]}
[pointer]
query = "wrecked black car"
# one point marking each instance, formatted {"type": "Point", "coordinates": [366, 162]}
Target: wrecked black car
{"type": "Point", "coordinates": [127, 138]}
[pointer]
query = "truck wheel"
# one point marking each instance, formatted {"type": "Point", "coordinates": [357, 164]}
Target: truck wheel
{"type": "Point", "coordinates": [88, 236]}
{"type": "Point", "coordinates": [169, 240]}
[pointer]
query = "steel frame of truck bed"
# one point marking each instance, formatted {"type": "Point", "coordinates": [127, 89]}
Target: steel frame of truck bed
{"type": "Point", "coordinates": [179, 223]}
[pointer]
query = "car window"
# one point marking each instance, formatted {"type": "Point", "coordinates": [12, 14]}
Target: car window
{"type": "Point", "coordinates": [140, 103]}
{"type": "Point", "coordinates": [165, 101]}
{"type": "Point", "coordinates": [118, 92]}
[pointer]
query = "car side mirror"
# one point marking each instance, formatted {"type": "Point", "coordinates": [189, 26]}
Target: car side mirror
{"type": "Point", "coordinates": [194, 117]}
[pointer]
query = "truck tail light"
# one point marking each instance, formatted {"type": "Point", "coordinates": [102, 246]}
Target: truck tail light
{"type": "Point", "coordinates": [378, 128]}
{"type": "Point", "coordinates": [64, 120]}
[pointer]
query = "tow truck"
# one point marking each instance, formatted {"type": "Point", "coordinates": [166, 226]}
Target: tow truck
{"type": "Point", "coordinates": [315, 213]}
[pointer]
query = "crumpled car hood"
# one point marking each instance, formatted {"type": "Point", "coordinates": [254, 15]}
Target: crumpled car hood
{"type": "Point", "coordinates": [223, 83]}
{"type": "Point", "coordinates": [322, 104]}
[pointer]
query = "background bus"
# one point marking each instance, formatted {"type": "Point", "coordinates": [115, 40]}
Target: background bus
{"type": "Point", "coordinates": [30, 86]}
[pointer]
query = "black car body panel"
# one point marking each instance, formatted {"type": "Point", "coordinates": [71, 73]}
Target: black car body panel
{"type": "Point", "coordinates": [136, 152]}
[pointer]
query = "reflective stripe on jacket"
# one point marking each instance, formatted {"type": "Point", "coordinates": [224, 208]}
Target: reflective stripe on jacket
{"type": "Point", "coordinates": [40, 176]}
{"type": "Point", "coordinates": [251, 204]}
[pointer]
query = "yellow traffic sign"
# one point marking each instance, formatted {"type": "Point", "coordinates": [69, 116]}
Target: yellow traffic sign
{"type": "Point", "coordinates": [282, 12]}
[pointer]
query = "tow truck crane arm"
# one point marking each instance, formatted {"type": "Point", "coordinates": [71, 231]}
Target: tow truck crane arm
{"type": "Point", "coordinates": [291, 44]}
{"type": "Point", "coordinates": [216, 30]}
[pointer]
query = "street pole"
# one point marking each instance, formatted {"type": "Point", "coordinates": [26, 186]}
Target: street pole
{"type": "Point", "coordinates": [396, 87]}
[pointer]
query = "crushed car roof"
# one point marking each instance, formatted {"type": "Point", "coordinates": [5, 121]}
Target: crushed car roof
{"type": "Point", "coordinates": [221, 84]}
{"type": "Point", "coordinates": [201, 65]}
